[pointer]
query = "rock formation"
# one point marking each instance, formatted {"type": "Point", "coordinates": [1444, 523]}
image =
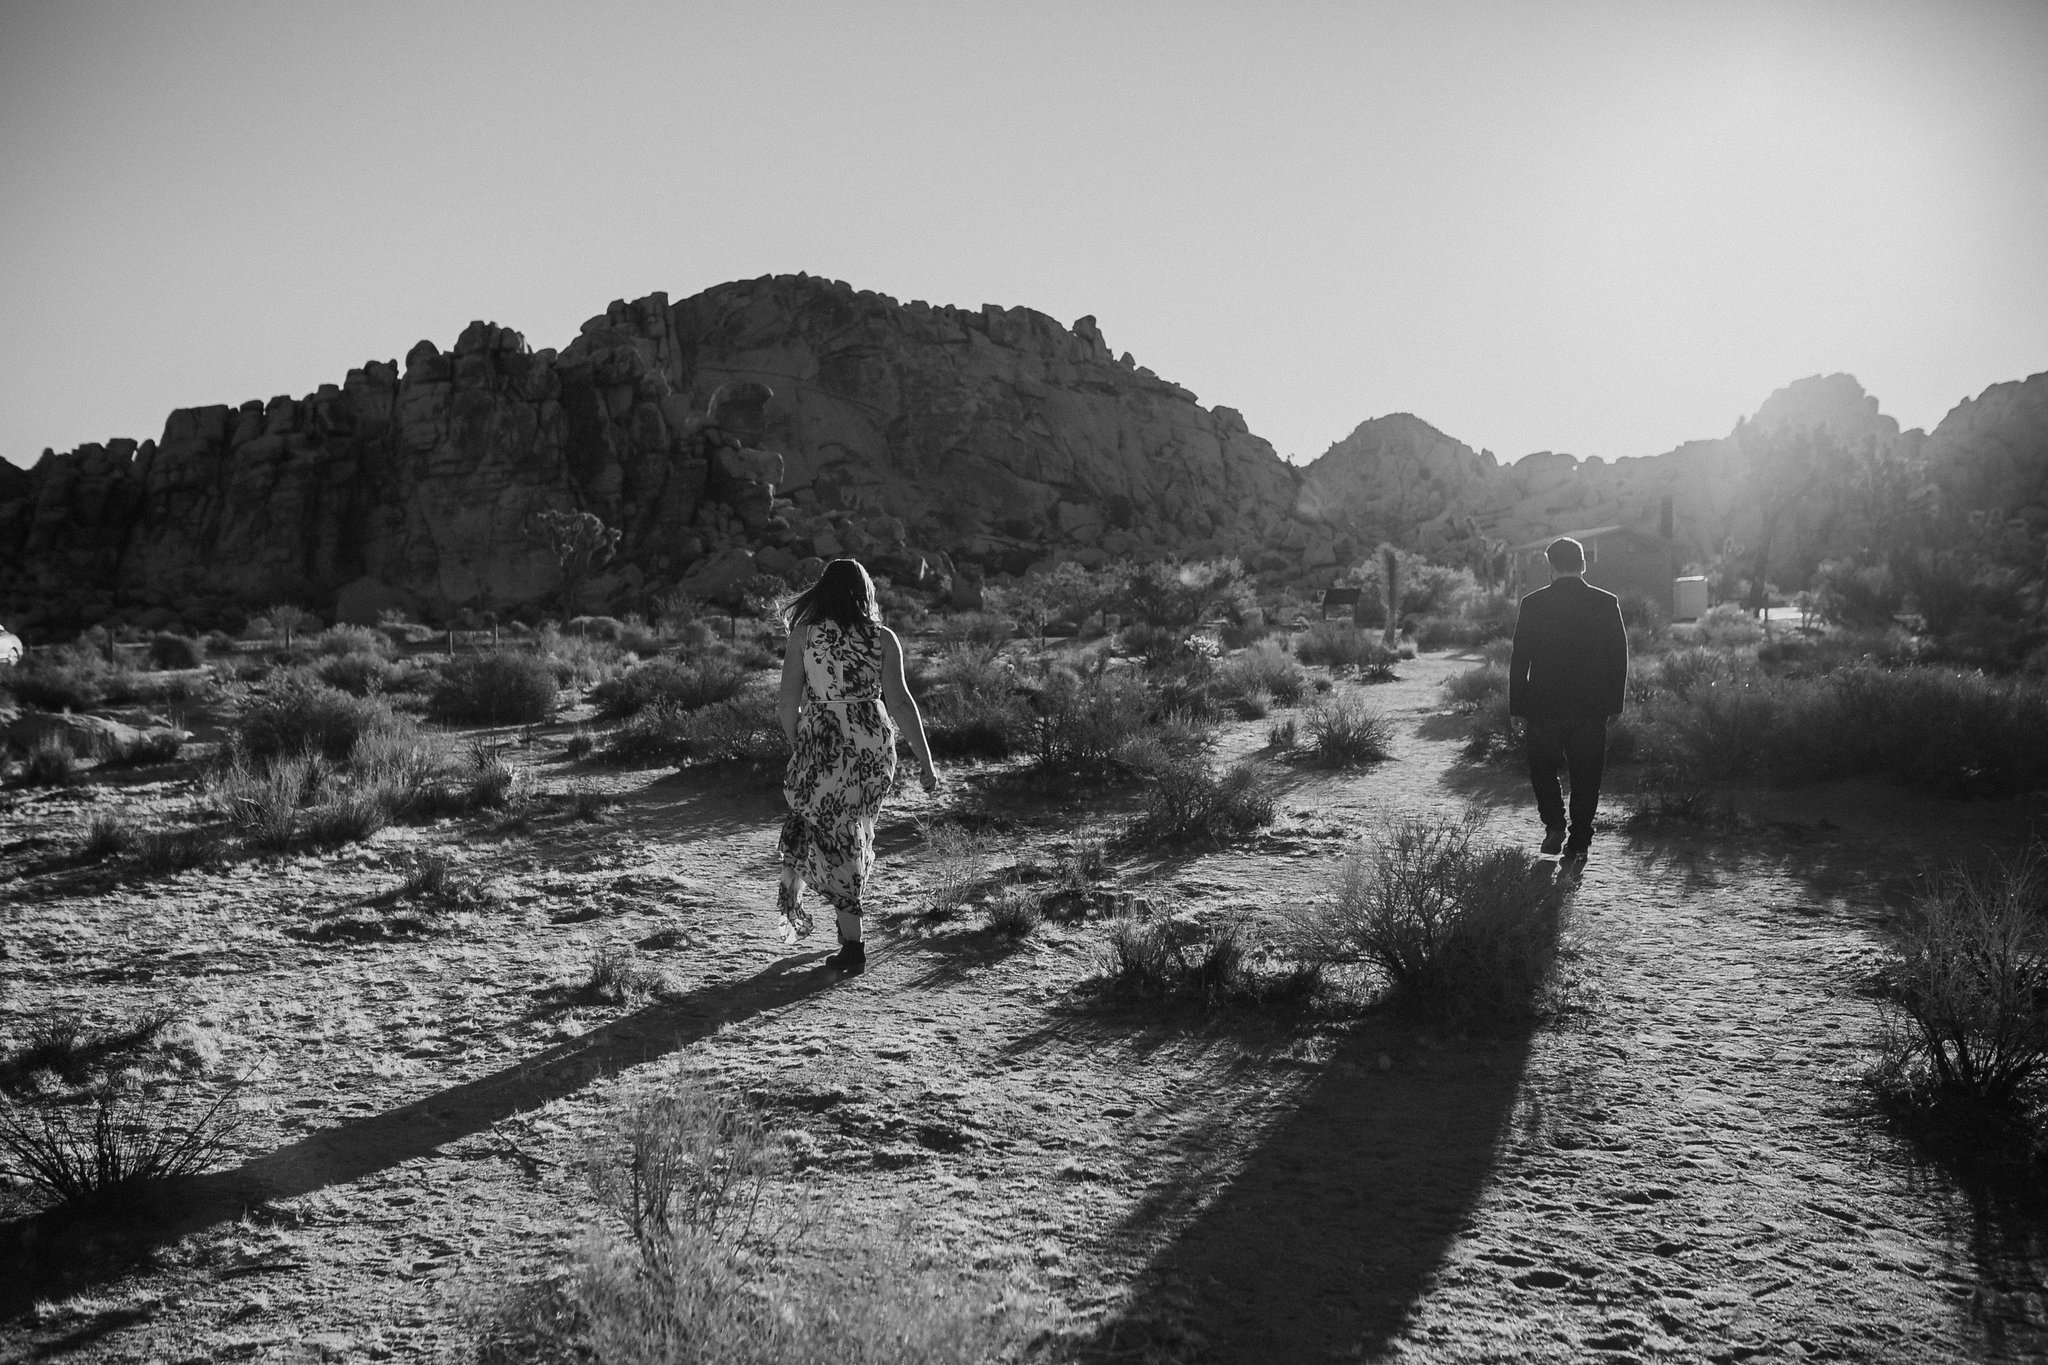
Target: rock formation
{"type": "Point", "coordinates": [928, 438]}
{"type": "Point", "coordinates": [937, 443]}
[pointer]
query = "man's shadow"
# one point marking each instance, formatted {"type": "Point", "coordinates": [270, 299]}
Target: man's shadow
{"type": "Point", "coordinates": [1320, 1243]}
{"type": "Point", "coordinates": [55, 1252]}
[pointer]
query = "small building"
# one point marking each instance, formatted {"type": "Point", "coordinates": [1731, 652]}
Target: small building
{"type": "Point", "coordinates": [1341, 599]}
{"type": "Point", "coordinates": [1689, 598]}
{"type": "Point", "coordinates": [1633, 565]}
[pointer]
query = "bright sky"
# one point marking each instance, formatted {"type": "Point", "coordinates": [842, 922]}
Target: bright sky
{"type": "Point", "coordinates": [1596, 227]}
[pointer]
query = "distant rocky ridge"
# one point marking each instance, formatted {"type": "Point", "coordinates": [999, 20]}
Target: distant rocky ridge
{"type": "Point", "coordinates": [938, 443]}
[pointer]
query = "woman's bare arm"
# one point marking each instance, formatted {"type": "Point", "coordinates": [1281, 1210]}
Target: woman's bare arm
{"type": "Point", "coordinates": [792, 697]}
{"type": "Point", "coordinates": [903, 707]}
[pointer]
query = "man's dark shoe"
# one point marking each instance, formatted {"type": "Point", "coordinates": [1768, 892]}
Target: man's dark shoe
{"type": "Point", "coordinates": [1553, 840]}
{"type": "Point", "coordinates": [1575, 856]}
{"type": "Point", "coordinates": [852, 958]}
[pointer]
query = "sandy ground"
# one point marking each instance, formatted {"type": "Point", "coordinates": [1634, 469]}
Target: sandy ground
{"type": "Point", "coordinates": [1678, 1169]}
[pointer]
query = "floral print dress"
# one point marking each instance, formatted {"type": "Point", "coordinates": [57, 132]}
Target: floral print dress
{"type": "Point", "coordinates": [842, 767]}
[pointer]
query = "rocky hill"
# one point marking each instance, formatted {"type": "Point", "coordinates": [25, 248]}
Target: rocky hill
{"type": "Point", "coordinates": [936, 442]}
{"type": "Point", "coordinates": [933, 439]}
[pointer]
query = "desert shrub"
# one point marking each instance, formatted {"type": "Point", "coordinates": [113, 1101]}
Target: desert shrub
{"type": "Point", "coordinates": [1455, 632]}
{"type": "Point", "coordinates": [1342, 647]}
{"type": "Point", "coordinates": [606, 628]}
{"type": "Point", "coordinates": [345, 639]}
{"type": "Point", "coordinates": [107, 835]}
{"type": "Point", "coordinates": [1283, 734]}
{"type": "Point", "coordinates": [1164, 959]}
{"type": "Point", "coordinates": [974, 724]}
{"type": "Point", "coordinates": [72, 678]}
{"type": "Point", "coordinates": [51, 763]}
{"type": "Point", "coordinates": [360, 673]}
{"type": "Point", "coordinates": [581, 743]}
{"type": "Point", "coordinates": [1491, 734]}
{"type": "Point", "coordinates": [958, 862]}
{"type": "Point", "coordinates": [975, 628]}
{"type": "Point", "coordinates": [164, 852]}
{"type": "Point", "coordinates": [1476, 686]}
{"type": "Point", "coordinates": [616, 976]}
{"type": "Point", "coordinates": [746, 729]}
{"type": "Point", "coordinates": [1727, 625]}
{"type": "Point", "coordinates": [1263, 668]}
{"type": "Point", "coordinates": [1156, 644]}
{"type": "Point", "coordinates": [1254, 705]}
{"type": "Point", "coordinates": [682, 684]}
{"type": "Point", "coordinates": [1082, 723]}
{"type": "Point", "coordinates": [64, 1048]}
{"type": "Point", "coordinates": [1187, 799]}
{"type": "Point", "coordinates": [299, 714]}
{"type": "Point", "coordinates": [503, 687]}
{"type": "Point", "coordinates": [349, 818]}
{"type": "Point", "coordinates": [1456, 928]}
{"type": "Point", "coordinates": [689, 1180]}
{"type": "Point", "coordinates": [176, 651]}
{"type": "Point", "coordinates": [1014, 911]}
{"type": "Point", "coordinates": [578, 661]}
{"type": "Point", "coordinates": [1965, 988]}
{"type": "Point", "coordinates": [1344, 732]}
{"type": "Point", "coordinates": [263, 805]}
{"type": "Point", "coordinates": [1186, 686]}
{"type": "Point", "coordinates": [115, 1146]}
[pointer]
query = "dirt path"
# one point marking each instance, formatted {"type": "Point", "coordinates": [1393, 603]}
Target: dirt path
{"type": "Point", "coordinates": [1675, 1174]}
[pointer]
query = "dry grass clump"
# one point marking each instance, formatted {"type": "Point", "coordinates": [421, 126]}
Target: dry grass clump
{"type": "Point", "coordinates": [743, 730]}
{"type": "Point", "coordinates": [679, 684]}
{"type": "Point", "coordinates": [1965, 988]}
{"type": "Point", "coordinates": [971, 704]}
{"type": "Point", "coordinates": [1458, 929]}
{"type": "Point", "coordinates": [51, 763]}
{"type": "Point", "coordinates": [1344, 732]}
{"type": "Point", "coordinates": [96, 1116]}
{"type": "Point", "coordinates": [164, 852]}
{"type": "Point", "coordinates": [1264, 668]}
{"type": "Point", "coordinates": [1342, 648]}
{"type": "Point", "coordinates": [1472, 689]}
{"type": "Point", "coordinates": [1082, 725]}
{"type": "Point", "coordinates": [64, 1049]}
{"type": "Point", "coordinates": [688, 1266]}
{"type": "Point", "coordinates": [168, 650]}
{"type": "Point", "coordinates": [152, 746]}
{"type": "Point", "coordinates": [116, 1145]}
{"type": "Point", "coordinates": [618, 977]}
{"type": "Point", "coordinates": [502, 687]}
{"type": "Point", "coordinates": [1163, 959]}
{"type": "Point", "coordinates": [1014, 911]}
{"type": "Point", "coordinates": [1188, 799]}
{"type": "Point", "coordinates": [107, 835]}
{"type": "Point", "coordinates": [957, 860]}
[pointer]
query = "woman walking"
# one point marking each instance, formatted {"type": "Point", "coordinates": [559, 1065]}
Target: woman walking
{"type": "Point", "coordinates": [843, 700]}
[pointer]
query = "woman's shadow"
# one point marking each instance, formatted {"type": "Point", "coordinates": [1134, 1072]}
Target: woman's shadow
{"type": "Point", "coordinates": [55, 1252]}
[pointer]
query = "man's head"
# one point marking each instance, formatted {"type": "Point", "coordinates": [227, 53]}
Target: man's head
{"type": "Point", "coordinates": [1566, 556]}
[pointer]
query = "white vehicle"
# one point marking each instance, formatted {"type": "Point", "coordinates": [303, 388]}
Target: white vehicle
{"type": "Point", "coordinates": [10, 646]}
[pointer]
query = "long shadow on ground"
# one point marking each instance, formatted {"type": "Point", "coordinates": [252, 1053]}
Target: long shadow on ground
{"type": "Point", "coordinates": [1322, 1241]}
{"type": "Point", "coordinates": [51, 1253]}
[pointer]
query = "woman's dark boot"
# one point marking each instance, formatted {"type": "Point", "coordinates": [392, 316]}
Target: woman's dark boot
{"type": "Point", "coordinates": [852, 958]}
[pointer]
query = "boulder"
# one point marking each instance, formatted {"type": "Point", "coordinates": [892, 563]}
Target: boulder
{"type": "Point", "coordinates": [721, 577]}
{"type": "Point", "coordinates": [362, 601]}
{"type": "Point", "coordinates": [88, 736]}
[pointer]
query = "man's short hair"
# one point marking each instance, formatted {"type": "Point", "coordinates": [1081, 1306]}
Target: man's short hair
{"type": "Point", "coordinates": [1566, 555]}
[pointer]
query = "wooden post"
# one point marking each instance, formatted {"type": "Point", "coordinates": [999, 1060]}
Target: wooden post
{"type": "Point", "coordinates": [451, 642]}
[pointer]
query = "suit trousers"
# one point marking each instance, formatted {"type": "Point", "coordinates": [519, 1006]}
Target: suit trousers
{"type": "Point", "coordinates": [1579, 745]}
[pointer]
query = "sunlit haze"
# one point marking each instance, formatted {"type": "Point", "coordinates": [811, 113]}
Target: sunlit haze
{"type": "Point", "coordinates": [1601, 228]}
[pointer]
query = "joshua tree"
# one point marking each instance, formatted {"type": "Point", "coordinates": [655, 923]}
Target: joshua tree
{"type": "Point", "coordinates": [286, 619]}
{"type": "Point", "coordinates": [1390, 575]}
{"type": "Point", "coordinates": [579, 541]}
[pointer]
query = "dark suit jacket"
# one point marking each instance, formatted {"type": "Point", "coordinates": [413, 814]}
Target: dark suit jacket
{"type": "Point", "coordinates": [1571, 654]}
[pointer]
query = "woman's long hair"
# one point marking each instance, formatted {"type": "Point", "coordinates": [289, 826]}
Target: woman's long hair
{"type": "Point", "coordinates": [843, 595]}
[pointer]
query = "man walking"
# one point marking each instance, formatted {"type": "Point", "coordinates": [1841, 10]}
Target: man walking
{"type": "Point", "coordinates": [1566, 680]}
